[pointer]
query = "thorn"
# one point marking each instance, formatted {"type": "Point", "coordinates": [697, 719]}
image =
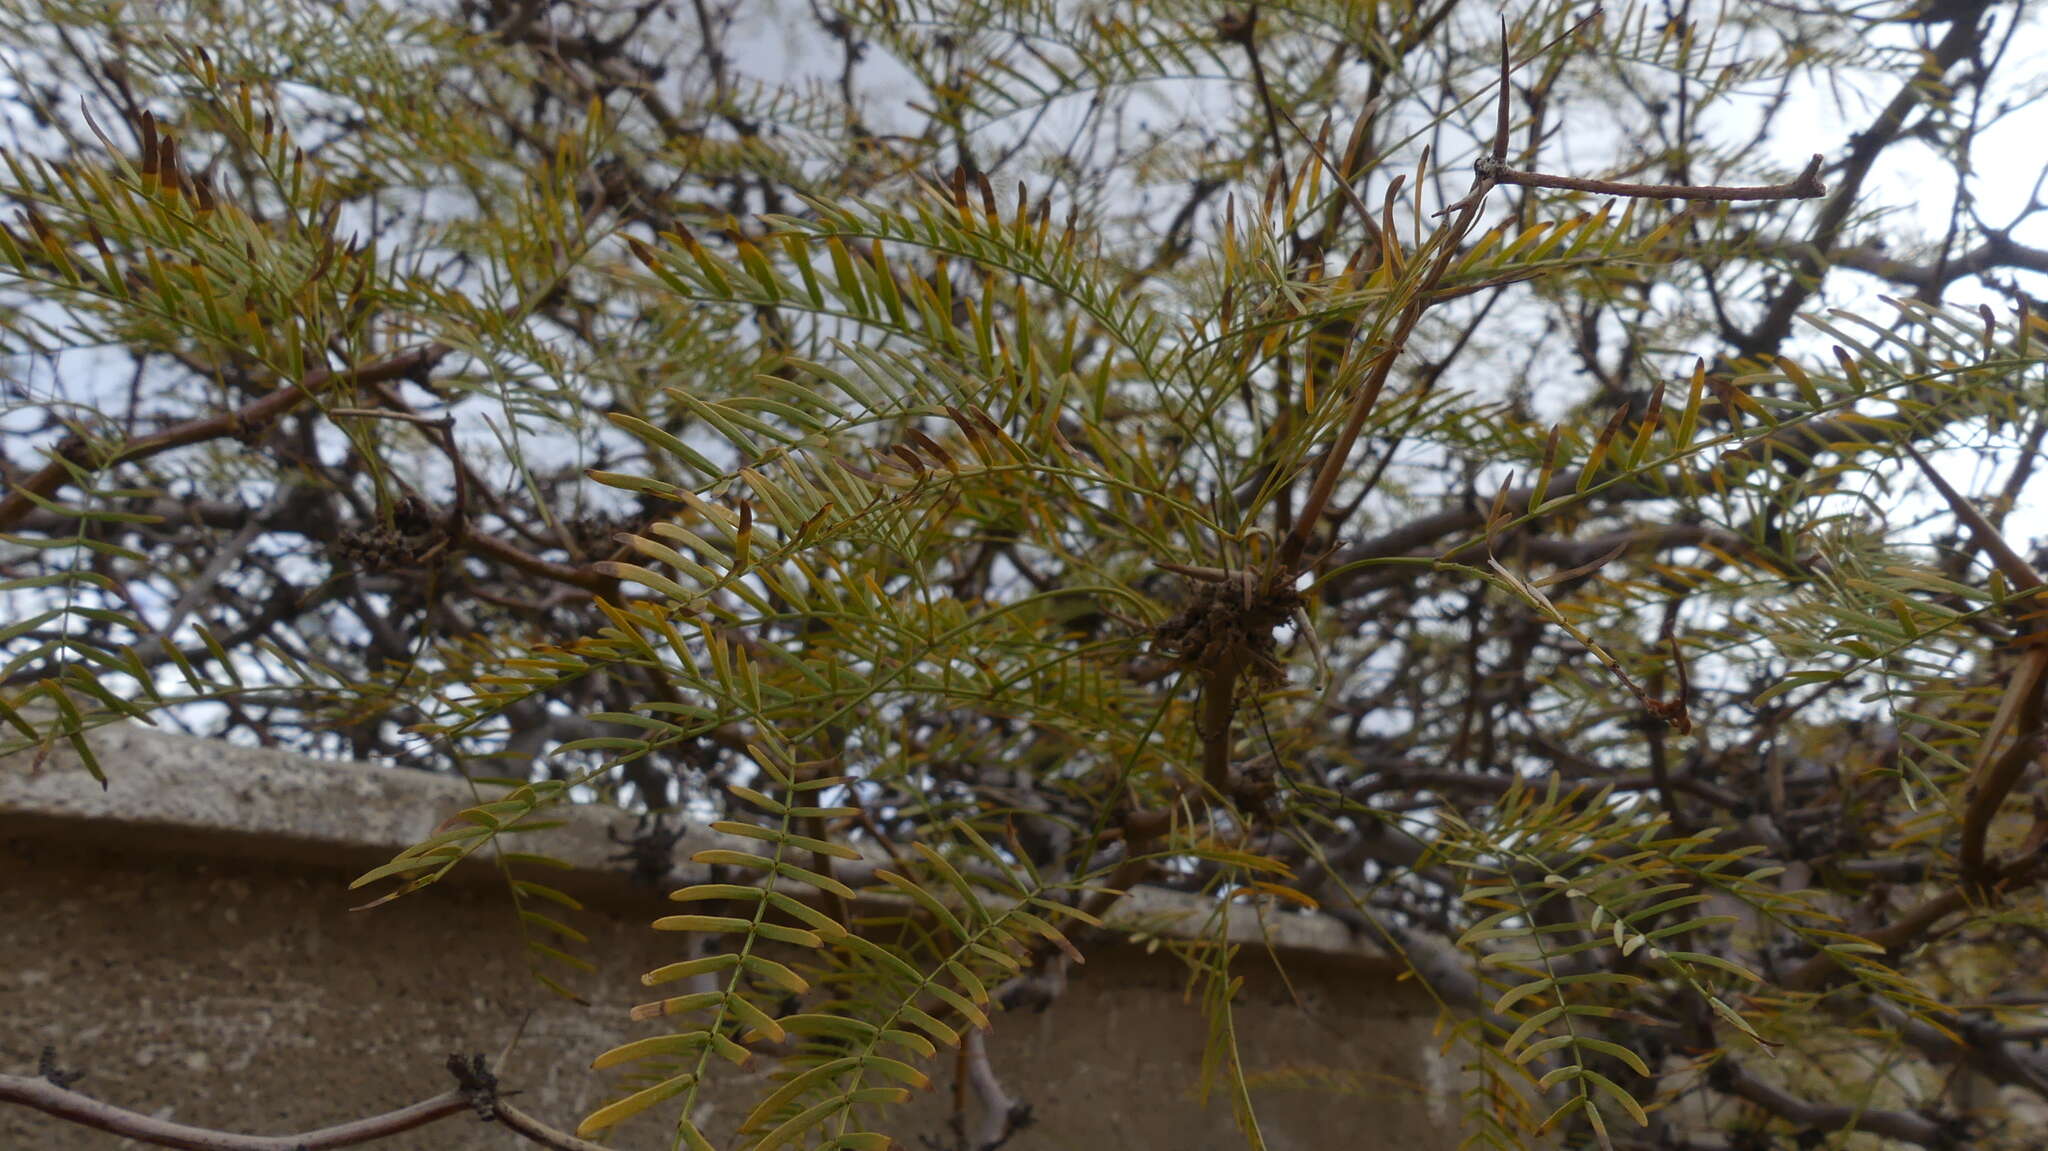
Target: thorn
{"type": "Point", "coordinates": [1500, 125]}
{"type": "Point", "coordinates": [2016, 569]}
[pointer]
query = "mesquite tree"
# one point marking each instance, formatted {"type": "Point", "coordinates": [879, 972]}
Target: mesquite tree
{"type": "Point", "coordinates": [1468, 474]}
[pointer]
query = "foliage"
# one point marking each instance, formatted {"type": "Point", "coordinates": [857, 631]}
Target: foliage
{"type": "Point", "coordinates": [1009, 451]}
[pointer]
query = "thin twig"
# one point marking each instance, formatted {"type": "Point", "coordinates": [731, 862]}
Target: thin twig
{"type": "Point", "coordinates": [386, 414]}
{"type": "Point", "coordinates": [86, 1112]}
{"type": "Point", "coordinates": [1337, 460]}
{"type": "Point", "coordinates": [478, 1094]}
{"type": "Point", "coordinates": [1807, 187]}
{"type": "Point", "coordinates": [1243, 30]}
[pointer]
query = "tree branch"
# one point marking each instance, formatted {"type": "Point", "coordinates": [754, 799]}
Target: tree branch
{"type": "Point", "coordinates": [75, 453]}
{"type": "Point", "coordinates": [1808, 186]}
{"type": "Point", "coordinates": [1907, 1125]}
{"type": "Point", "coordinates": [478, 1094]}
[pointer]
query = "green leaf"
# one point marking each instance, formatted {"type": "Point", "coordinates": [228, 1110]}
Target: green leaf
{"type": "Point", "coordinates": [612, 1114]}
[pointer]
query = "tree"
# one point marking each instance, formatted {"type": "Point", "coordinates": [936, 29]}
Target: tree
{"type": "Point", "coordinates": [1468, 475]}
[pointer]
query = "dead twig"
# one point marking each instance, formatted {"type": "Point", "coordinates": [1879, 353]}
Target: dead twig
{"type": "Point", "coordinates": [476, 1091]}
{"type": "Point", "coordinates": [1807, 187]}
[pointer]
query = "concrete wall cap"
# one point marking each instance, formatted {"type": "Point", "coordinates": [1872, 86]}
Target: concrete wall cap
{"type": "Point", "coordinates": [175, 792]}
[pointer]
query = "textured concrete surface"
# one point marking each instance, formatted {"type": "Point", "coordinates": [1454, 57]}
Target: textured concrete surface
{"type": "Point", "coordinates": [185, 938]}
{"type": "Point", "coordinates": [173, 792]}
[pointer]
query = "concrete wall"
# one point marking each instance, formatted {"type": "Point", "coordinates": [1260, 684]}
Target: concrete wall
{"type": "Point", "coordinates": [185, 938]}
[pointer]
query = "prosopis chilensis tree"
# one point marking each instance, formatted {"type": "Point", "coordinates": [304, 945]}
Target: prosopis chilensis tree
{"type": "Point", "coordinates": [1470, 475]}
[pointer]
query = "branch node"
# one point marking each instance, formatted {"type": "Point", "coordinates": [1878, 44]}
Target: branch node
{"type": "Point", "coordinates": [477, 1085]}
